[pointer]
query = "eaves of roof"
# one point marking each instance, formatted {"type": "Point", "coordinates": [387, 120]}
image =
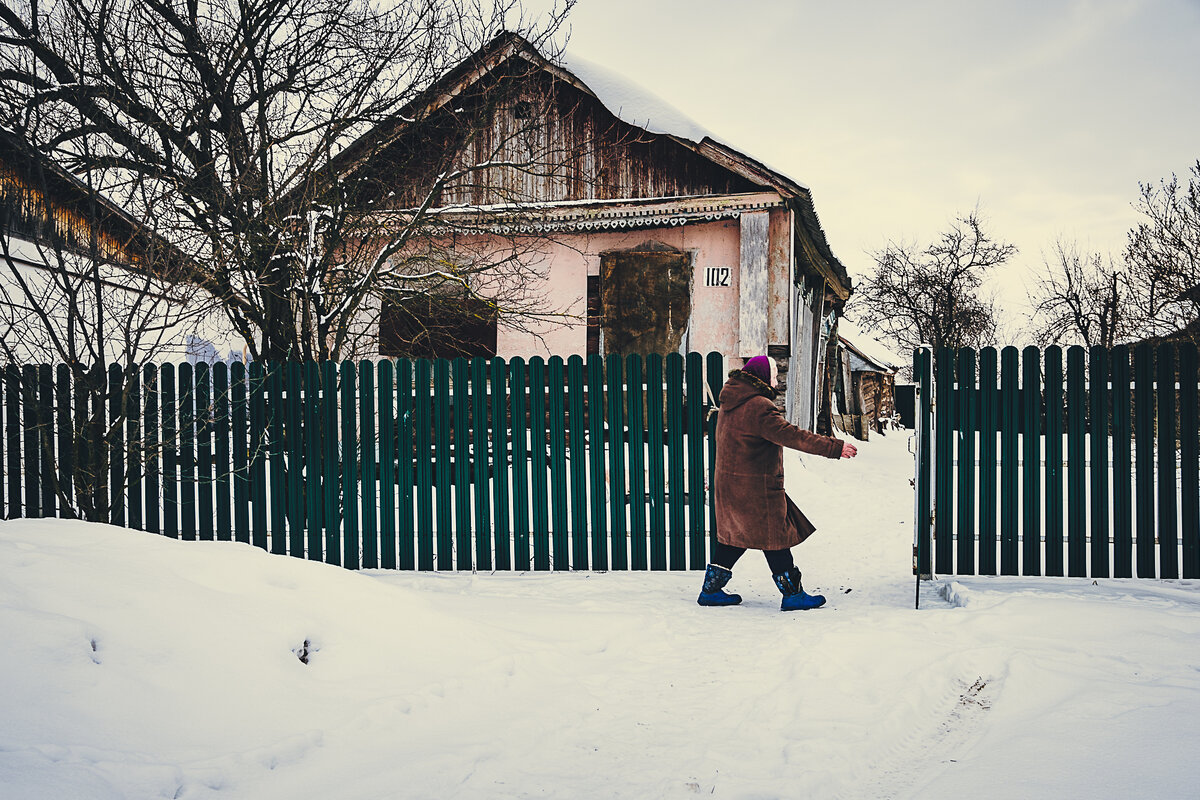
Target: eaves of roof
{"type": "Point", "coordinates": [64, 181]}
{"type": "Point", "coordinates": [111, 216]}
{"type": "Point", "coordinates": [880, 366]}
{"type": "Point", "coordinates": [597, 215]}
{"type": "Point", "coordinates": [818, 253]}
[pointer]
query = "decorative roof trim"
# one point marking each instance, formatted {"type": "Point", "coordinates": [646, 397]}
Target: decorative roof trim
{"type": "Point", "coordinates": [599, 215]}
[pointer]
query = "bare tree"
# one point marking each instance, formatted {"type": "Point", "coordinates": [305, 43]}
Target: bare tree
{"type": "Point", "coordinates": [219, 121]}
{"type": "Point", "coordinates": [1163, 254]}
{"type": "Point", "coordinates": [1082, 298]}
{"type": "Point", "coordinates": [933, 295]}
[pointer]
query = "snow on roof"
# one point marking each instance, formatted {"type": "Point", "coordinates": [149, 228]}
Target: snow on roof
{"type": "Point", "coordinates": [632, 103]}
{"type": "Point", "coordinates": [873, 350]}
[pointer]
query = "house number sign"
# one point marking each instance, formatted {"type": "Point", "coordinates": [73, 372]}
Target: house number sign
{"type": "Point", "coordinates": [716, 276]}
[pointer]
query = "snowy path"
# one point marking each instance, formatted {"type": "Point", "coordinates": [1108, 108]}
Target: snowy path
{"type": "Point", "coordinates": [138, 667]}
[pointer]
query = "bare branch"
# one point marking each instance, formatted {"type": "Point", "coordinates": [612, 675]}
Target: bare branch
{"type": "Point", "coordinates": [1163, 254]}
{"type": "Point", "coordinates": [934, 295]}
{"type": "Point", "coordinates": [217, 122]}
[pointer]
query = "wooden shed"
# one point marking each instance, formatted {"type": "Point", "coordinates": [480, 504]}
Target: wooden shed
{"type": "Point", "coordinates": [865, 382]}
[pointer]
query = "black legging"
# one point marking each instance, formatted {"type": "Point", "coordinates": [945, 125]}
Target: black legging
{"type": "Point", "coordinates": [726, 555]}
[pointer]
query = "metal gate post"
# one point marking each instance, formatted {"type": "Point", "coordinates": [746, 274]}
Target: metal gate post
{"type": "Point", "coordinates": [922, 505]}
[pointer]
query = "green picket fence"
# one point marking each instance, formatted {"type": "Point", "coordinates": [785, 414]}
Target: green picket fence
{"type": "Point", "coordinates": [448, 465]}
{"type": "Point", "coordinates": [1030, 465]}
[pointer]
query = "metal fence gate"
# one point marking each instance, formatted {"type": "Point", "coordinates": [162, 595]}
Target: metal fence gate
{"type": "Point", "coordinates": [1024, 467]}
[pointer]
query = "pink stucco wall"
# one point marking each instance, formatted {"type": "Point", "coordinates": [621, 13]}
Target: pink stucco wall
{"type": "Point", "coordinates": [573, 257]}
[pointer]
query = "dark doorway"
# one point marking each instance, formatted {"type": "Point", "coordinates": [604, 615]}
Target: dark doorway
{"type": "Point", "coordinates": [595, 315]}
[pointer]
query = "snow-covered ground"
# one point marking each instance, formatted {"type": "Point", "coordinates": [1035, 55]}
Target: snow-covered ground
{"type": "Point", "coordinates": [135, 666]}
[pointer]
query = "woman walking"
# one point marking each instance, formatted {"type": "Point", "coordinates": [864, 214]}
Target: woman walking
{"type": "Point", "coordinates": [753, 511]}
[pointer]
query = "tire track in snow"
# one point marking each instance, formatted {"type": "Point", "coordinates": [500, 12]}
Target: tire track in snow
{"type": "Point", "coordinates": [933, 745]}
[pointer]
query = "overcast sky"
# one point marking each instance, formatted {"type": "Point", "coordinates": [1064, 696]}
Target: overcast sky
{"type": "Point", "coordinates": [900, 115]}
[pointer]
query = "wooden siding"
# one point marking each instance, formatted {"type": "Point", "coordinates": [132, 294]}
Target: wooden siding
{"type": "Point", "coordinates": [753, 285]}
{"type": "Point", "coordinates": [571, 148]}
{"type": "Point", "coordinates": [31, 209]}
{"type": "Point", "coordinates": [779, 260]}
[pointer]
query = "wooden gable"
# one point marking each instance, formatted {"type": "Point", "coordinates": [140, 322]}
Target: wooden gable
{"type": "Point", "coordinates": [549, 141]}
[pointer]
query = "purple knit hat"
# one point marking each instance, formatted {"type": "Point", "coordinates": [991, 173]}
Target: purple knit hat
{"type": "Point", "coordinates": [760, 368]}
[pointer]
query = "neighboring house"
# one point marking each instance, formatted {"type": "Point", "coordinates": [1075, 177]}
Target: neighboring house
{"type": "Point", "coordinates": [61, 243]}
{"type": "Point", "coordinates": [1189, 333]}
{"type": "Point", "coordinates": [865, 382]}
{"type": "Point", "coordinates": [658, 238]}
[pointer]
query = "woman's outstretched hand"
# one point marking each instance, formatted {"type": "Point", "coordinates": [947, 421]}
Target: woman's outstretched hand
{"type": "Point", "coordinates": [849, 450]}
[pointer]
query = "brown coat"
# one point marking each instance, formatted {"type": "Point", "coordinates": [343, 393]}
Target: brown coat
{"type": "Point", "coordinates": [753, 511]}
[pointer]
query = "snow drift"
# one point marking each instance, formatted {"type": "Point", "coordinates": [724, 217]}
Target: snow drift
{"type": "Point", "coordinates": [143, 667]}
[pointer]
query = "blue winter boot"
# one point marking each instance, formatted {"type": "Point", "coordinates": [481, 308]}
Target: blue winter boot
{"type": "Point", "coordinates": [794, 597]}
{"type": "Point", "coordinates": [715, 578]}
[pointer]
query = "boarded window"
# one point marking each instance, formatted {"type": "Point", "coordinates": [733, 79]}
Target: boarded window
{"type": "Point", "coordinates": [437, 326]}
{"type": "Point", "coordinates": [646, 300]}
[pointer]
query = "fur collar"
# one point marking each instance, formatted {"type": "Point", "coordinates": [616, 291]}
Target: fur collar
{"type": "Point", "coordinates": [770, 392]}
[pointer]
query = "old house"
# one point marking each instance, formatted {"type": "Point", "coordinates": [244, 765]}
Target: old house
{"type": "Point", "coordinates": [652, 235]}
{"type": "Point", "coordinates": [865, 382]}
